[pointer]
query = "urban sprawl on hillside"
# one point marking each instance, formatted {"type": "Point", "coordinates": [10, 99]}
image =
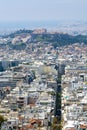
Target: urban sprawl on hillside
{"type": "Point", "coordinates": [43, 81]}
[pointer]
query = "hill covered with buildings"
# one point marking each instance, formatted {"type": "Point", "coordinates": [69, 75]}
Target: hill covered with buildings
{"type": "Point", "coordinates": [21, 39]}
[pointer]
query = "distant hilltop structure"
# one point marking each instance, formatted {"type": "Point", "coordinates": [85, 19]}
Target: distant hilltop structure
{"type": "Point", "coordinates": [39, 31]}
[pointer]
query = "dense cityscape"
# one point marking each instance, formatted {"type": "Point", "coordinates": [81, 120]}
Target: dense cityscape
{"type": "Point", "coordinates": [43, 86]}
{"type": "Point", "coordinates": [43, 64]}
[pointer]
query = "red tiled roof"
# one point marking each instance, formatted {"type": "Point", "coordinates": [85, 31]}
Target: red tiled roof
{"type": "Point", "coordinates": [83, 126]}
{"type": "Point", "coordinates": [70, 128]}
{"type": "Point", "coordinates": [29, 126]}
{"type": "Point", "coordinates": [35, 120]}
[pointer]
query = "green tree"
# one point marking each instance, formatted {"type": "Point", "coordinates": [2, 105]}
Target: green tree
{"type": "Point", "coordinates": [1, 120]}
{"type": "Point", "coordinates": [57, 124]}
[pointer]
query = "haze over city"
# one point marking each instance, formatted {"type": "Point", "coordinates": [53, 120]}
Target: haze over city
{"type": "Point", "coordinates": [17, 14]}
{"type": "Point", "coordinates": [43, 10]}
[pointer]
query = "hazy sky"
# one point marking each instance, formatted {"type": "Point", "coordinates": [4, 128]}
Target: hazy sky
{"type": "Point", "coordinates": [43, 10]}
